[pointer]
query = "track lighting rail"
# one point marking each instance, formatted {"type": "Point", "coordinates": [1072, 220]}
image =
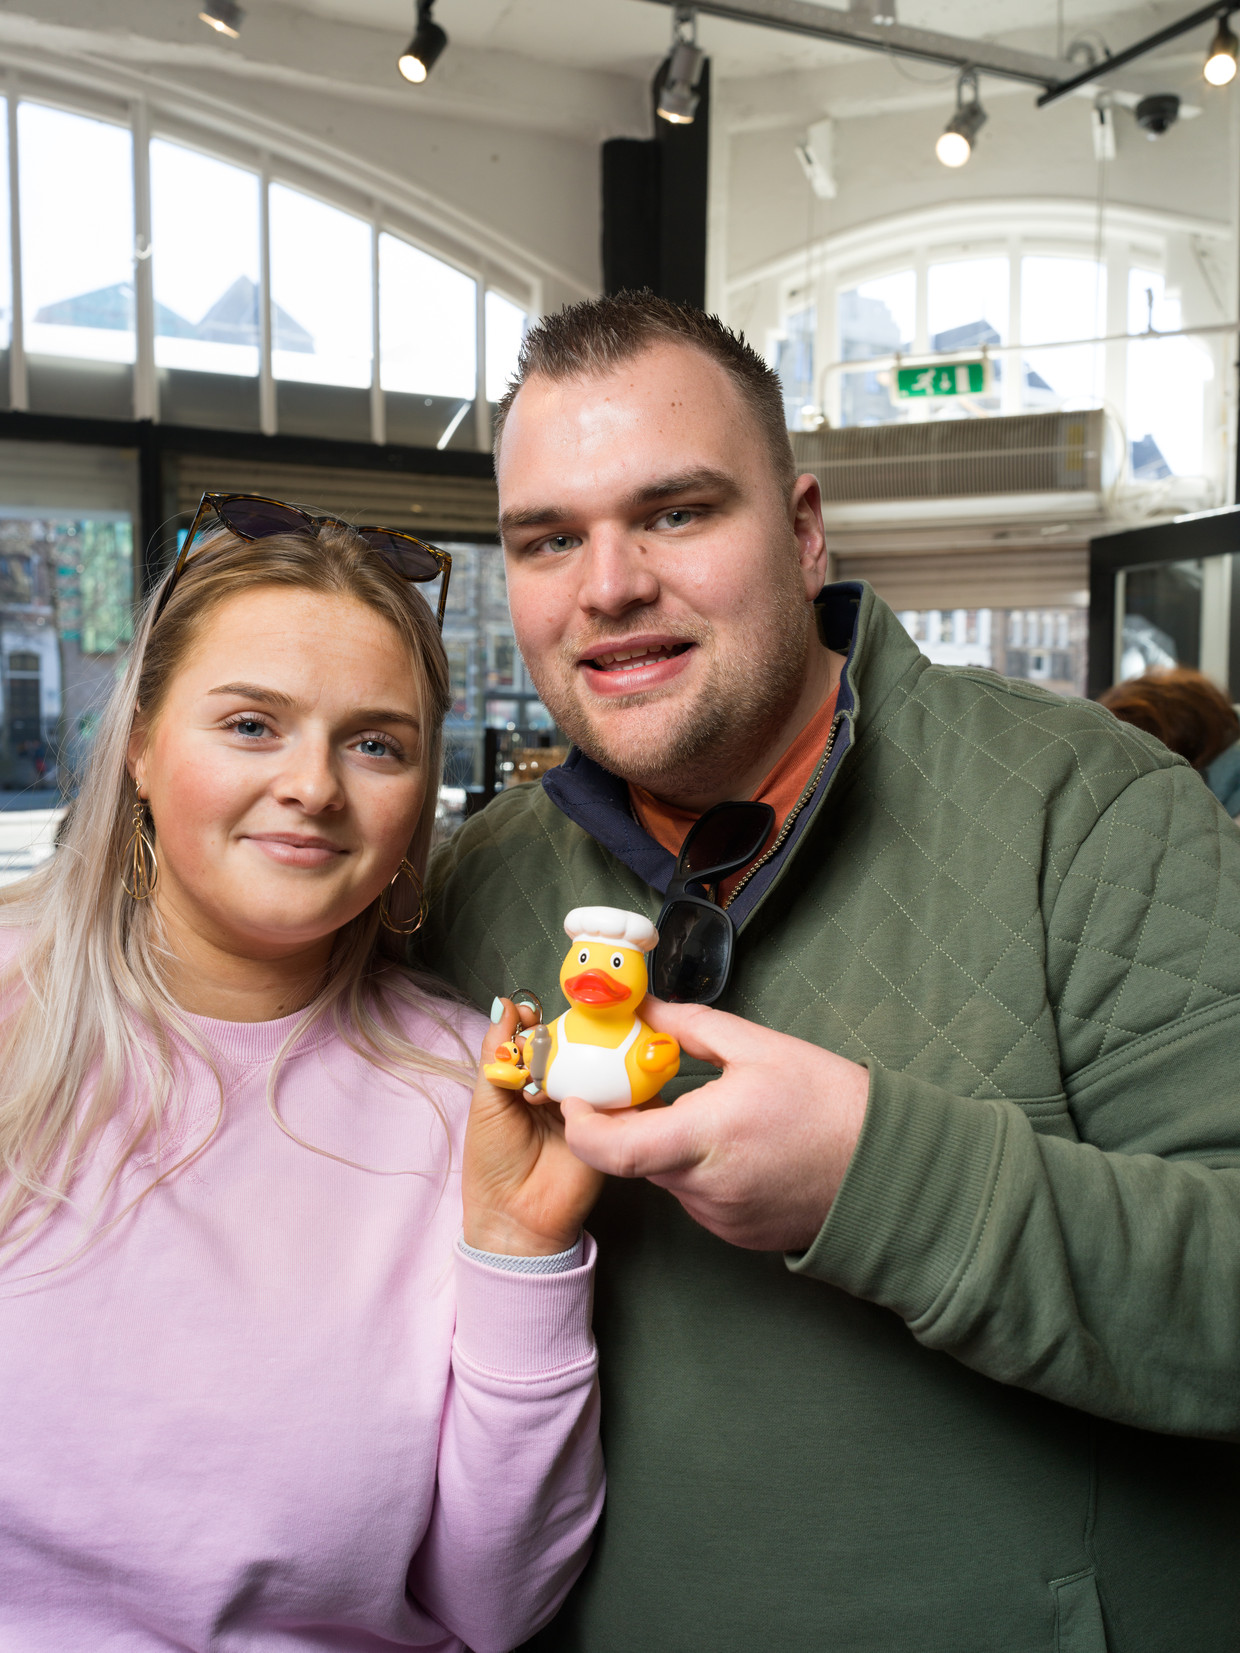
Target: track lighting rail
{"type": "Point", "coordinates": [1117, 60]}
{"type": "Point", "coordinates": [852, 28]}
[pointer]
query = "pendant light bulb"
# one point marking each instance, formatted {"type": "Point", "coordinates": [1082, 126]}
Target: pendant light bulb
{"type": "Point", "coordinates": [955, 143]}
{"type": "Point", "coordinates": [224, 16]}
{"type": "Point", "coordinates": [678, 100]}
{"type": "Point", "coordinates": [1220, 65]}
{"type": "Point", "coordinates": [953, 148]}
{"type": "Point", "coordinates": [425, 49]}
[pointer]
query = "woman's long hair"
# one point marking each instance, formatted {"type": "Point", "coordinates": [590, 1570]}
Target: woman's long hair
{"type": "Point", "coordinates": [86, 1015]}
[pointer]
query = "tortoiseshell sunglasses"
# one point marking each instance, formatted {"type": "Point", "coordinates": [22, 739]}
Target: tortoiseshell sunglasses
{"type": "Point", "coordinates": [252, 517]}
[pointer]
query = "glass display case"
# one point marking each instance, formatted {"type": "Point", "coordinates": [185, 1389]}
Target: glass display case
{"type": "Point", "coordinates": [1167, 595]}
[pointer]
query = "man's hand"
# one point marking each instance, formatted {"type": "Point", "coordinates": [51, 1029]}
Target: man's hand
{"type": "Point", "coordinates": [524, 1192]}
{"type": "Point", "coordinates": [756, 1156]}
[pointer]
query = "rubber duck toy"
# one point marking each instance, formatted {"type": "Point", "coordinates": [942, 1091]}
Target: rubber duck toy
{"type": "Point", "coordinates": [599, 1049]}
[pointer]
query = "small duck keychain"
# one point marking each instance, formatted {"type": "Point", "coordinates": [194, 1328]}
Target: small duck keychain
{"type": "Point", "coordinates": [599, 1049]}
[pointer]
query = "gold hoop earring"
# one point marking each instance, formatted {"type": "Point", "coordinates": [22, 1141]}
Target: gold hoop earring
{"type": "Point", "coordinates": [142, 869]}
{"type": "Point", "coordinates": [385, 915]}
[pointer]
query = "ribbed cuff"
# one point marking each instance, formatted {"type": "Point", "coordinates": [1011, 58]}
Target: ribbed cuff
{"type": "Point", "coordinates": [915, 1195]}
{"type": "Point", "coordinates": [556, 1263]}
{"type": "Point", "coordinates": [525, 1325]}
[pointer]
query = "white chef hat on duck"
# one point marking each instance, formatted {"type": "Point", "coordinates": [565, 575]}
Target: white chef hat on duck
{"type": "Point", "coordinates": [612, 927]}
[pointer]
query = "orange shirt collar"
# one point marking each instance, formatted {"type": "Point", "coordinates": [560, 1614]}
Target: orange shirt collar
{"type": "Point", "coordinates": [669, 825]}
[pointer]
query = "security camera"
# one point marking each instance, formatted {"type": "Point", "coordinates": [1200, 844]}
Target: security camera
{"type": "Point", "coordinates": [1157, 112]}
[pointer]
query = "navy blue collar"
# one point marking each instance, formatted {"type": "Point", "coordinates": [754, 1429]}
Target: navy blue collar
{"type": "Point", "coordinates": [598, 801]}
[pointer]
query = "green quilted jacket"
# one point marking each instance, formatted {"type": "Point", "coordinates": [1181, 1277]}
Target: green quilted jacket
{"type": "Point", "coordinates": [993, 1406]}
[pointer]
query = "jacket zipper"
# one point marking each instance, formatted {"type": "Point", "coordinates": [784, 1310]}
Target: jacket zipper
{"type": "Point", "coordinates": [782, 835]}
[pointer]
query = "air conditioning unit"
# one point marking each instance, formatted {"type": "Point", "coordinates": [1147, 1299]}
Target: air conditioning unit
{"type": "Point", "coordinates": [1024, 453]}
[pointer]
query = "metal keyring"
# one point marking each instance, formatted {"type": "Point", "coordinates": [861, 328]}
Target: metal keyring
{"type": "Point", "coordinates": [524, 994]}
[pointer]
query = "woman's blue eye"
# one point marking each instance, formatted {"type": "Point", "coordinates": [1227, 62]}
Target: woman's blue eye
{"type": "Point", "coordinates": [375, 748]}
{"type": "Point", "coordinates": [250, 726]}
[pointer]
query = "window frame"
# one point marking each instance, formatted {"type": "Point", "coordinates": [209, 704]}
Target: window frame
{"type": "Point", "coordinates": [338, 186]}
{"type": "Point", "coordinates": [1132, 238]}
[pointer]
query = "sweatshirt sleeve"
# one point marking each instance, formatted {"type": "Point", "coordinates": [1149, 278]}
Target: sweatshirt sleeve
{"type": "Point", "coordinates": [520, 1474]}
{"type": "Point", "coordinates": [1086, 1246]}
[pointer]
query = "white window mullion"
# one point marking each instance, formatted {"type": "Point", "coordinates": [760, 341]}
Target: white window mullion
{"type": "Point", "coordinates": [266, 379]}
{"type": "Point", "coordinates": [1012, 398]}
{"type": "Point", "coordinates": [19, 388]}
{"type": "Point", "coordinates": [482, 412]}
{"type": "Point", "coordinates": [378, 407]}
{"type": "Point", "coordinates": [145, 383]}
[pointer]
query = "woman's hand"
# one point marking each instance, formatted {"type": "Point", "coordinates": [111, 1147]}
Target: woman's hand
{"type": "Point", "coordinates": [525, 1192]}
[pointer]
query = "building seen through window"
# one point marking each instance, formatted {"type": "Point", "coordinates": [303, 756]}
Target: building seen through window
{"type": "Point", "coordinates": [490, 685]}
{"type": "Point", "coordinates": [77, 235]}
{"type": "Point", "coordinates": [1166, 384]}
{"type": "Point", "coordinates": [1045, 646]}
{"type": "Point", "coordinates": [876, 318]}
{"type": "Point", "coordinates": [206, 287]}
{"type": "Point", "coordinates": [794, 363]}
{"type": "Point", "coordinates": [66, 623]}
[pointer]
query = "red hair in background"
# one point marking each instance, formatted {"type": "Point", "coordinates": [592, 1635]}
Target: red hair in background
{"type": "Point", "coordinates": [1183, 708]}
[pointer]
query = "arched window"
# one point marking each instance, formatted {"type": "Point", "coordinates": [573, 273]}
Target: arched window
{"type": "Point", "coordinates": [1044, 296]}
{"type": "Point", "coordinates": [159, 276]}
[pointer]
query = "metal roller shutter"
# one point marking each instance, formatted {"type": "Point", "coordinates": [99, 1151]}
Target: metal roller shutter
{"type": "Point", "coordinates": [1019, 577]}
{"type": "Point", "coordinates": [64, 478]}
{"type": "Point", "coordinates": [444, 505]}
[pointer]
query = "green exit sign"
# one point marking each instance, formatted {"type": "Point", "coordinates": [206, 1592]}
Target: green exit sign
{"type": "Point", "coordinates": [949, 379]}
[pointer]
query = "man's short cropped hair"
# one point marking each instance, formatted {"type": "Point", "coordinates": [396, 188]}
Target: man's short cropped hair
{"type": "Point", "coordinates": [593, 337]}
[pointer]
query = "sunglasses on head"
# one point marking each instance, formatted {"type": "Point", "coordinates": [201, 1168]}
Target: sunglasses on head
{"type": "Point", "coordinates": [252, 517]}
{"type": "Point", "coordinates": [693, 960]}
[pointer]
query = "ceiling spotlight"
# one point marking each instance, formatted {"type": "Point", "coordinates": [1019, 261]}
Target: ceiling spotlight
{"type": "Point", "coordinates": [224, 16]}
{"type": "Point", "coordinates": [425, 49]}
{"type": "Point", "coordinates": [1221, 58]}
{"type": "Point", "coordinates": [956, 141]}
{"type": "Point", "coordinates": [678, 100]}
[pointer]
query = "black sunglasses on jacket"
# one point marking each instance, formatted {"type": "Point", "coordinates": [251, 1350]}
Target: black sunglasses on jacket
{"type": "Point", "coordinates": [693, 960]}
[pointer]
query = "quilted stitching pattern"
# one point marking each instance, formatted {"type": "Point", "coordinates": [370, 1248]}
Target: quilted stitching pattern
{"type": "Point", "coordinates": [1000, 888]}
{"type": "Point", "coordinates": [516, 870]}
{"type": "Point", "coordinates": [1146, 928]}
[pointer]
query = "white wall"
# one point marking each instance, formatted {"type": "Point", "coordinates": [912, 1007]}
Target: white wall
{"type": "Point", "coordinates": [885, 160]}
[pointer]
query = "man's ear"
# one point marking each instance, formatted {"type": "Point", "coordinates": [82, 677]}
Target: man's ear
{"type": "Point", "coordinates": [810, 535]}
{"type": "Point", "coordinates": [135, 752]}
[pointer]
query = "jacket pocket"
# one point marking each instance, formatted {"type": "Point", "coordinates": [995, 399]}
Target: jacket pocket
{"type": "Point", "coordinates": [1078, 1614]}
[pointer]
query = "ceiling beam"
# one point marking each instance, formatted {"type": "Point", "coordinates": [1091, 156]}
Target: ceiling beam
{"type": "Point", "coordinates": [857, 27]}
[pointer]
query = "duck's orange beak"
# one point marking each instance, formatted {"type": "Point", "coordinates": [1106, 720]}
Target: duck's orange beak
{"type": "Point", "coordinates": [597, 987]}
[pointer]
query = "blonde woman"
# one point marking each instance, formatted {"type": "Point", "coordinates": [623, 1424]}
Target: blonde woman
{"type": "Point", "coordinates": [289, 1356]}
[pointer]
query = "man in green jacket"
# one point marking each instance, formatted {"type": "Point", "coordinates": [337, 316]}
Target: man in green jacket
{"type": "Point", "coordinates": [919, 1309]}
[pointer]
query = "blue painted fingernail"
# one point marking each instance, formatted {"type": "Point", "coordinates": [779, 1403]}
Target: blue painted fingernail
{"type": "Point", "coordinates": [497, 1010]}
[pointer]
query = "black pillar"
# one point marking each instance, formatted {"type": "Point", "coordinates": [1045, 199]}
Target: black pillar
{"type": "Point", "coordinates": [654, 205]}
{"type": "Point", "coordinates": [682, 205]}
{"type": "Point", "coordinates": [632, 225]}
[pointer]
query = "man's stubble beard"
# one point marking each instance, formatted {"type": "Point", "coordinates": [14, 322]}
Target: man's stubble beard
{"type": "Point", "coordinates": [735, 715]}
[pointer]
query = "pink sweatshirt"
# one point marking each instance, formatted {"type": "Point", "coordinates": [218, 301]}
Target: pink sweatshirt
{"type": "Point", "coordinates": [275, 1407]}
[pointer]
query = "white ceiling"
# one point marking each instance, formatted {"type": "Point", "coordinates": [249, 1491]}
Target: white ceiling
{"type": "Point", "coordinates": [629, 36]}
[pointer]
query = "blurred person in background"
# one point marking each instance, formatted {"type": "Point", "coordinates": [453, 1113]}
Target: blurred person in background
{"type": "Point", "coordinates": [1191, 715]}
